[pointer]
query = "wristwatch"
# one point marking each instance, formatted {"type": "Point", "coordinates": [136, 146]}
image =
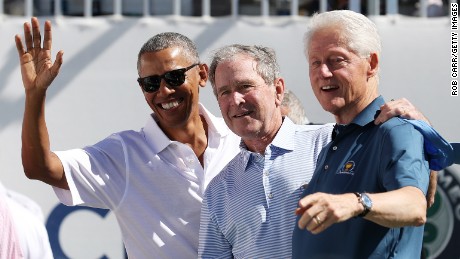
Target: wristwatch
{"type": "Point", "coordinates": [364, 199]}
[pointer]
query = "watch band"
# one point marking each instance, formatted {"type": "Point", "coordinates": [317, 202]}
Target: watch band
{"type": "Point", "coordinates": [367, 205]}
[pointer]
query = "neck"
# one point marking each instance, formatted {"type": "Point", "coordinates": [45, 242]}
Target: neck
{"type": "Point", "coordinates": [194, 135]}
{"type": "Point", "coordinates": [259, 143]}
{"type": "Point", "coordinates": [346, 115]}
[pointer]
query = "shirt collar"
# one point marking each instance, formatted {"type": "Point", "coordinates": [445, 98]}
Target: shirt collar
{"type": "Point", "coordinates": [284, 138]}
{"type": "Point", "coordinates": [365, 117]}
{"type": "Point", "coordinates": [368, 114]}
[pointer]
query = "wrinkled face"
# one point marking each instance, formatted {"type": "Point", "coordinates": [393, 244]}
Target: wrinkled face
{"type": "Point", "coordinates": [249, 106]}
{"type": "Point", "coordinates": [173, 106]}
{"type": "Point", "coordinates": [338, 76]}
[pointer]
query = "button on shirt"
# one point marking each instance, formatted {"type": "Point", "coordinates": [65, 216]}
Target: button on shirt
{"type": "Point", "coordinates": [369, 158]}
{"type": "Point", "coordinates": [248, 209]}
{"type": "Point", "coordinates": [152, 184]}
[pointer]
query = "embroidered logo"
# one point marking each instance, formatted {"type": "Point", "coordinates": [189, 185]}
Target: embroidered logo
{"type": "Point", "coordinates": [347, 168]}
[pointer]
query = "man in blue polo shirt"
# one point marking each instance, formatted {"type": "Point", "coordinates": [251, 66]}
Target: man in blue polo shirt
{"type": "Point", "coordinates": [367, 196]}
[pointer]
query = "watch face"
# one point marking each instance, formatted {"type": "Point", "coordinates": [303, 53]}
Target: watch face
{"type": "Point", "coordinates": [367, 202]}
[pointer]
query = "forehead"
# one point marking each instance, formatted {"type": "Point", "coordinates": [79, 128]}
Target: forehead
{"type": "Point", "coordinates": [171, 55]}
{"type": "Point", "coordinates": [237, 68]}
{"type": "Point", "coordinates": [327, 39]}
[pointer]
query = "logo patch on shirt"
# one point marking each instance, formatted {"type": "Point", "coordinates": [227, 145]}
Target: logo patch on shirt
{"type": "Point", "coordinates": [347, 168]}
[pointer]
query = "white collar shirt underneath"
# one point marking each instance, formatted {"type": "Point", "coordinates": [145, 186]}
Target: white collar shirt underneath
{"type": "Point", "coordinates": [152, 185]}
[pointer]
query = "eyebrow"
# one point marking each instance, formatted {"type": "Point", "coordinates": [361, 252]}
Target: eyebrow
{"type": "Point", "coordinates": [236, 84]}
{"type": "Point", "coordinates": [223, 88]}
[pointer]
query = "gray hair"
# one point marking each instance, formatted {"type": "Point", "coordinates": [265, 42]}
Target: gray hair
{"type": "Point", "coordinates": [294, 106]}
{"type": "Point", "coordinates": [358, 33]}
{"type": "Point", "coordinates": [166, 40]}
{"type": "Point", "coordinates": [267, 66]}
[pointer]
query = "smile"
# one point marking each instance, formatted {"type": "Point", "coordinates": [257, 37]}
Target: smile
{"type": "Point", "coordinates": [242, 114]}
{"type": "Point", "coordinates": [170, 105]}
{"type": "Point", "coordinates": [329, 87]}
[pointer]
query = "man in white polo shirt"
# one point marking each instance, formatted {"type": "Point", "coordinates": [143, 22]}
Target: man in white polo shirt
{"type": "Point", "coordinates": [152, 179]}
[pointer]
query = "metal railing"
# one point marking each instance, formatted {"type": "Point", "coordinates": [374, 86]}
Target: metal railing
{"type": "Point", "coordinates": [373, 7]}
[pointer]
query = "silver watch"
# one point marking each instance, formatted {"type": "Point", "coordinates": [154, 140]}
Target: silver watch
{"type": "Point", "coordinates": [366, 201]}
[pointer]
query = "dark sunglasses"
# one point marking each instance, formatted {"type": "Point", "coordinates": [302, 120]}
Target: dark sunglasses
{"type": "Point", "coordinates": [173, 78]}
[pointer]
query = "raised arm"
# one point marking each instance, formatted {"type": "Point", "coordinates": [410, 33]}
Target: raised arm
{"type": "Point", "coordinates": [38, 72]}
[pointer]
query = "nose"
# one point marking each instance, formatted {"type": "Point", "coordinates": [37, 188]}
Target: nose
{"type": "Point", "coordinates": [237, 98]}
{"type": "Point", "coordinates": [325, 71]}
{"type": "Point", "coordinates": [165, 89]}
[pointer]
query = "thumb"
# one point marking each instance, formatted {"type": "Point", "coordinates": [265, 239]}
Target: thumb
{"type": "Point", "coordinates": [57, 63]}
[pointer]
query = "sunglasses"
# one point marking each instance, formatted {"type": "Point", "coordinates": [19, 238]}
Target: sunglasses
{"type": "Point", "coordinates": [173, 78]}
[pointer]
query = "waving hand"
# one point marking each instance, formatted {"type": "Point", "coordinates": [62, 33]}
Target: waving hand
{"type": "Point", "coordinates": [37, 69]}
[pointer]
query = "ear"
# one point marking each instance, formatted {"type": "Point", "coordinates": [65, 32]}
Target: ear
{"type": "Point", "coordinates": [279, 90]}
{"type": "Point", "coordinates": [373, 65]}
{"type": "Point", "coordinates": [203, 74]}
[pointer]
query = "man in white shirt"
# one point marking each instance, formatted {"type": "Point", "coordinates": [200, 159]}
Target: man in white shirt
{"type": "Point", "coordinates": [152, 179]}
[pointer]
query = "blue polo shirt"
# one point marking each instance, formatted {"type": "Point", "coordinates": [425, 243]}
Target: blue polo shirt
{"type": "Point", "coordinates": [364, 157]}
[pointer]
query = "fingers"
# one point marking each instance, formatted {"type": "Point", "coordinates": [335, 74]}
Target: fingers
{"type": "Point", "coordinates": [431, 193]}
{"type": "Point", "coordinates": [19, 45]}
{"type": "Point", "coordinates": [48, 39]}
{"type": "Point", "coordinates": [315, 223]}
{"type": "Point", "coordinates": [310, 210]}
{"type": "Point", "coordinates": [57, 63]}
{"type": "Point", "coordinates": [32, 36]}
{"type": "Point", "coordinates": [321, 210]}
{"type": "Point", "coordinates": [317, 220]}
{"type": "Point", "coordinates": [28, 36]}
{"type": "Point", "coordinates": [37, 38]}
{"type": "Point", "coordinates": [401, 107]}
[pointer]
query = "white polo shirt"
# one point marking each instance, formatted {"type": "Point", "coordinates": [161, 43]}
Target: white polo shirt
{"type": "Point", "coordinates": [153, 185]}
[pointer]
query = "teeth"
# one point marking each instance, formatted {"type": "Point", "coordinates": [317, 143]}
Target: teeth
{"type": "Point", "coordinates": [241, 115]}
{"type": "Point", "coordinates": [327, 87]}
{"type": "Point", "coordinates": [170, 105]}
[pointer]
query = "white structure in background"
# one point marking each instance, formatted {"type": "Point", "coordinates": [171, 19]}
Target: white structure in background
{"type": "Point", "coordinates": [89, 8]}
